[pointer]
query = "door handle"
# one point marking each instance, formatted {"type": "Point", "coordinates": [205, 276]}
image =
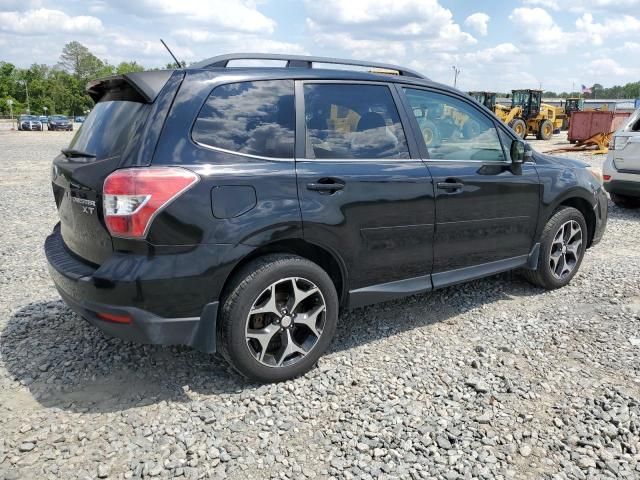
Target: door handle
{"type": "Point", "coordinates": [450, 185]}
{"type": "Point", "coordinates": [326, 186]}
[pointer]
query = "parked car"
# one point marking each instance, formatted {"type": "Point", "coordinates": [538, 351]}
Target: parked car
{"type": "Point", "coordinates": [237, 209]}
{"type": "Point", "coordinates": [60, 122]}
{"type": "Point", "coordinates": [621, 170]}
{"type": "Point", "coordinates": [79, 119]}
{"type": "Point", "coordinates": [29, 122]}
{"type": "Point", "coordinates": [43, 119]}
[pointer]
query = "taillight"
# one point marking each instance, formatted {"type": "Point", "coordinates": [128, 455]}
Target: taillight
{"type": "Point", "coordinates": [134, 196]}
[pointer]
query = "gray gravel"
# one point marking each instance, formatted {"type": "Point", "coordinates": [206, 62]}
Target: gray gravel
{"type": "Point", "coordinates": [491, 379]}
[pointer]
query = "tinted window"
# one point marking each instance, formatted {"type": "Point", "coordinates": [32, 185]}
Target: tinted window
{"type": "Point", "coordinates": [108, 128]}
{"type": "Point", "coordinates": [256, 118]}
{"type": "Point", "coordinates": [453, 129]}
{"type": "Point", "coordinates": [352, 121]}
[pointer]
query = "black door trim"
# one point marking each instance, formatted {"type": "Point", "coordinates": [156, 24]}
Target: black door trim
{"type": "Point", "coordinates": [413, 286]}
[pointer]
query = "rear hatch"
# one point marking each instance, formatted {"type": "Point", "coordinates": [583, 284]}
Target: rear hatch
{"type": "Point", "coordinates": [108, 135]}
{"type": "Point", "coordinates": [626, 155]}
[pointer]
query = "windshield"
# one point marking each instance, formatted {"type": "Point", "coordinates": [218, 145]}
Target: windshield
{"type": "Point", "coordinates": [106, 131]}
{"type": "Point", "coordinates": [58, 117]}
{"type": "Point", "coordinates": [519, 98]}
{"type": "Point", "coordinates": [26, 118]}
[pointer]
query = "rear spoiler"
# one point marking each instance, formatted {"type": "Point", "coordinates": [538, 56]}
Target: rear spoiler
{"type": "Point", "coordinates": [145, 85]}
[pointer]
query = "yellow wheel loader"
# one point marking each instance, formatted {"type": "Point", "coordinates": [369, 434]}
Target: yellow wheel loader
{"type": "Point", "coordinates": [488, 99]}
{"type": "Point", "coordinates": [529, 116]}
{"type": "Point", "coordinates": [572, 104]}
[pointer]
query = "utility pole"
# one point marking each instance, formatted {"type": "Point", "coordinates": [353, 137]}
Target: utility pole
{"type": "Point", "coordinates": [26, 87]}
{"type": "Point", "coordinates": [456, 72]}
{"type": "Point", "coordinates": [10, 103]}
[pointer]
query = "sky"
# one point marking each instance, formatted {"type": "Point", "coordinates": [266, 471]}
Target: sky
{"type": "Point", "coordinates": [498, 46]}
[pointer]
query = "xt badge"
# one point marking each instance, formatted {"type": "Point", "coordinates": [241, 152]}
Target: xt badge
{"type": "Point", "coordinates": [88, 206]}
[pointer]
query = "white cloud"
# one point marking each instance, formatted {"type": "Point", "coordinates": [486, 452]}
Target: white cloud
{"type": "Point", "coordinates": [597, 32]}
{"type": "Point", "coordinates": [581, 6]}
{"type": "Point", "coordinates": [501, 53]}
{"type": "Point", "coordinates": [398, 19]}
{"type": "Point", "coordinates": [237, 42]}
{"type": "Point", "coordinates": [42, 21]}
{"type": "Point", "coordinates": [19, 5]}
{"type": "Point", "coordinates": [479, 22]}
{"type": "Point", "coordinates": [610, 67]}
{"type": "Point", "coordinates": [539, 30]}
{"type": "Point", "coordinates": [231, 15]}
{"type": "Point", "coordinates": [384, 29]}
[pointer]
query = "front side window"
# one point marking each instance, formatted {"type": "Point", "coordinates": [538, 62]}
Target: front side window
{"type": "Point", "coordinates": [452, 129]}
{"type": "Point", "coordinates": [352, 121]}
{"type": "Point", "coordinates": [255, 118]}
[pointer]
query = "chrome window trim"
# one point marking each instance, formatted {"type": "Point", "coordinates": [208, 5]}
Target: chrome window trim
{"type": "Point", "coordinates": [249, 155]}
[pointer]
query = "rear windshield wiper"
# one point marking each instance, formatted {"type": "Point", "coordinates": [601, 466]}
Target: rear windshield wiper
{"type": "Point", "coordinates": [72, 153]}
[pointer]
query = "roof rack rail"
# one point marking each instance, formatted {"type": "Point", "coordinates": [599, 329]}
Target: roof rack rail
{"type": "Point", "coordinates": [301, 61]}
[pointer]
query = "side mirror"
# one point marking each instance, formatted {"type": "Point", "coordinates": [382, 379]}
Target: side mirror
{"type": "Point", "coordinates": [518, 151]}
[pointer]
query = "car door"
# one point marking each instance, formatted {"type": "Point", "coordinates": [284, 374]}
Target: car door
{"type": "Point", "coordinates": [364, 192]}
{"type": "Point", "coordinates": [486, 207]}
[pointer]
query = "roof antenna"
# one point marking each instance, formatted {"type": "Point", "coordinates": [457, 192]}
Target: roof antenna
{"type": "Point", "coordinates": [180, 65]}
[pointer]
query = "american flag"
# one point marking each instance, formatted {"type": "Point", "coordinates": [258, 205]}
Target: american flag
{"type": "Point", "coordinates": [586, 89]}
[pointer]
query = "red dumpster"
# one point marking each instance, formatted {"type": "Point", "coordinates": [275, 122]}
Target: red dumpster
{"type": "Point", "coordinates": [586, 124]}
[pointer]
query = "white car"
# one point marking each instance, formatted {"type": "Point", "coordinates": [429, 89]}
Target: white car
{"type": "Point", "coordinates": [621, 170]}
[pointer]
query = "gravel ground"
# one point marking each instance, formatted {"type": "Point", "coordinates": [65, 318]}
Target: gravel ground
{"type": "Point", "coordinates": [491, 379]}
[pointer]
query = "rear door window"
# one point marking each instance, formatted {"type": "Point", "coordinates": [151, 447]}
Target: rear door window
{"type": "Point", "coordinates": [254, 118]}
{"type": "Point", "coordinates": [107, 130]}
{"type": "Point", "coordinates": [352, 121]}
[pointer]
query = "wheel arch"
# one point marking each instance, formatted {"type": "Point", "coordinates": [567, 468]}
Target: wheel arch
{"type": "Point", "coordinates": [329, 261]}
{"type": "Point", "coordinates": [584, 207]}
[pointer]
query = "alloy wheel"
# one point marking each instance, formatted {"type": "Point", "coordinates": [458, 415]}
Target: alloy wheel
{"type": "Point", "coordinates": [566, 249]}
{"type": "Point", "coordinates": [285, 322]}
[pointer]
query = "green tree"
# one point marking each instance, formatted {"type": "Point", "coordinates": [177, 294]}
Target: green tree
{"type": "Point", "coordinates": [129, 67]}
{"type": "Point", "coordinates": [78, 60]}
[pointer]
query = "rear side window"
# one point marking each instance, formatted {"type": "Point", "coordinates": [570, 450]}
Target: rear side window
{"type": "Point", "coordinates": [108, 128]}
{"type": "Point", "coordinates": [255, 118]}
{"type": "Point", "coordinates": [350, 121]}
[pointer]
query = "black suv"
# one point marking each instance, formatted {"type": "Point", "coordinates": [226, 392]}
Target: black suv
{"type": "Point", "coordinates": [236, 209]}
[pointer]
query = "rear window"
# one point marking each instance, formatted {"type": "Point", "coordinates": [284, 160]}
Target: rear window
{"type": "Point", "coordinates": [255, 118]}
{"type": "Point", "coordinates": [106, 131]}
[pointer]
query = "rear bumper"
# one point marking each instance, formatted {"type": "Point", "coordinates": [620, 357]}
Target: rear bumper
{"type": "Point", "coordinates": [91, 291]}
{"type": "Point", "coordinates": [623, 187]}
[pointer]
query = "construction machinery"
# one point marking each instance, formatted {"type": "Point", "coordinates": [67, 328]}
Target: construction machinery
{"type": "Point", "coordinates": [571, 104]}
{"type": "Point", "coordinates": [488, 99]}
{"type": "Point", "coordinates": [527, 115]}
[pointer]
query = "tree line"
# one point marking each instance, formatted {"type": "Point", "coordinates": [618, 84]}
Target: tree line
{"type": "Point", "coordinates": [59, 88]}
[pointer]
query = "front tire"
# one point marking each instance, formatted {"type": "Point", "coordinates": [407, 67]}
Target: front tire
{"type": "Point", "coordinates": [546, 130]}
{"type": "Point", "coordinates": [562, 247]}
{"type": "Point", "coordinates": [519, 126]}
{"type": "Point", "coordinates": [278, 317]}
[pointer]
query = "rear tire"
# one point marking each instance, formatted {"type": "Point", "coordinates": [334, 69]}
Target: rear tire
{"type": "Point", "coordinates": [562, 247]}
{"type": "Point", "coordinates": [278, 316]}
{"type": "Point", "coordinates": [624, 201]}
